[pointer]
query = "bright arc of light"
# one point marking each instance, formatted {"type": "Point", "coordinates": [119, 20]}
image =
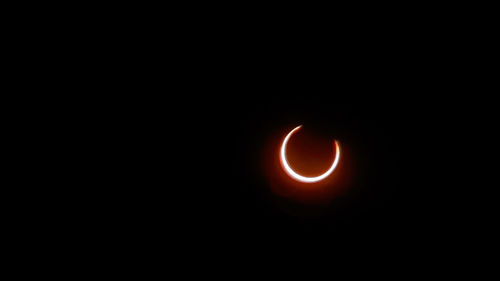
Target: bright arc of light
{"type": "Point", "coordinates": [293, 174]}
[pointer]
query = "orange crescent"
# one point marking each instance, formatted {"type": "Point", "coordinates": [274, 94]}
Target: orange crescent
{"type": "Point", "coordinates": [295, 175]}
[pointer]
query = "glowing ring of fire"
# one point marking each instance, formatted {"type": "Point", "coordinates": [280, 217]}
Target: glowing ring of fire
{"type": "Point", "coordinates": [293, 174]}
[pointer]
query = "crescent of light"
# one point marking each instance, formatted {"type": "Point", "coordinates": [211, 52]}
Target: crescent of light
{"type": "Point", "coordinates": [298, 177]}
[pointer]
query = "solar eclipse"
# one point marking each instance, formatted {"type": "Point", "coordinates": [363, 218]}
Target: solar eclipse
{"type": "Point", "coordinates": [293, 174]}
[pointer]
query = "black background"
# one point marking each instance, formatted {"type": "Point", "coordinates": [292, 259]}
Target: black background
{"type": "Point", "coordinates": [142, 137]}
{"type": "Point", "coordinates": [190, 163]}
{"type": "Point", "coordinates": [170, 133]}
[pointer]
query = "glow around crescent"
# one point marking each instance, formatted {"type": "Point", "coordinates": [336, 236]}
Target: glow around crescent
{"type": "Point", "coordinates": [298, 177]}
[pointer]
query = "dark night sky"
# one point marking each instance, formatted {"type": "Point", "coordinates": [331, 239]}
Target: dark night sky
{"type": "Point", "coordinates": [183, 138]}
{"type": "Point", "coordinates": [200, 166]}
{"type": "Point", "coordinates": [152, 138]}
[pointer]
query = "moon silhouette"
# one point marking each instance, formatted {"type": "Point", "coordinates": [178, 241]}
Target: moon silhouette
{"type": "Point", "coordinates": [295, 175]}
